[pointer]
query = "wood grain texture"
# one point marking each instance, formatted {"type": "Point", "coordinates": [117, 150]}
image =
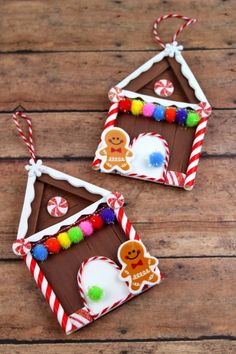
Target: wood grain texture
{"type": "Point", "coordinates": [105, 25]}
{"type": "Point", "coordinates": [191, 347]}
{"type": "Point", "coordinates": [53, 140]}
{"type": "Point", "coordinates": [198, 296]}
{"type": "Point", "coordinates": [64, 56]}
{"type": "Point", "coordinates": [69, 81]}
{"type": "Point", "coordinates": [198, 222]}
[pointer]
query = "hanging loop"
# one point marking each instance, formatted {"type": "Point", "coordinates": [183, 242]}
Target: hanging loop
{"type": "Point", "coordinates": [188, 22]}
{"type": "Point", "coordinates": [28, 141]}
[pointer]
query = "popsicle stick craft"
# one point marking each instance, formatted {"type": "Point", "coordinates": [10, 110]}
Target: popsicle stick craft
{"type": "Point", "coordinates": [78, 244]}
{"type": "Point", "coordinates": [161, 113]}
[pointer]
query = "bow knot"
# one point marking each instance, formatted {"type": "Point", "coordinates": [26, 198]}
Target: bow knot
{"type": "Point", "coordinates": [173, 49]}
{"type": "Point", "coordinates": [116, 150]}
{"type": "Point", "coordinates": [134, 265]}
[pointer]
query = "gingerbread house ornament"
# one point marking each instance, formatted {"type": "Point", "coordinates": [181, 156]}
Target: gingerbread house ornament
{"type": "Point", "coordinates": [76, 240]}
{"type": "Point", "coordinates": [157, 119]}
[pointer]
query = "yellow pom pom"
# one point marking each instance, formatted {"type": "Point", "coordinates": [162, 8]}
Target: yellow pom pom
{"type": "Point", "coordinates": [64, 240]}
{"type": "Point", "coordinates": [136, 107]}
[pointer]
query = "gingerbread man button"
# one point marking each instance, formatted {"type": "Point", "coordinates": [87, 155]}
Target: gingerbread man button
{"type": "Point", "coordinates": [138, 267]}
{"type": "Point", "coordinates": [115, 153]}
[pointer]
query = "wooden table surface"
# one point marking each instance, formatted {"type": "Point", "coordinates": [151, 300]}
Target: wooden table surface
{"type": "Point", "coordinates": [57, 60]}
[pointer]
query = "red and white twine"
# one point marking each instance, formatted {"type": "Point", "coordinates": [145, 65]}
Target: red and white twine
{"type": "Point", "coordinates": [188, 22]}
{"type": "Point", "coordinates": [28, 141]}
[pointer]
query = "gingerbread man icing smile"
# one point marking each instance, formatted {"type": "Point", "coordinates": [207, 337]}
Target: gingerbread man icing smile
{"type": "Point", "coordinates": [115, 153]}
{"type": "Point", "coordinates": [138, 267]}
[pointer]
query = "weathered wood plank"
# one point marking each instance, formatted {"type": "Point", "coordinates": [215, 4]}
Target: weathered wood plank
{"type": "Point", "coordinates": [167, 239]}
{"type": "Point", "coordinates": [196, 347]}
{"type": "Point", "coordinates": [60, 81]}
{"type": "Point", "coordinates": [63, 134]}
{"type": "Point", "coordinates": [197, 299]}
{"type": "Point", "coordinates": [174, 220]}
{"type": "Point", "coordinates": [105, 25]}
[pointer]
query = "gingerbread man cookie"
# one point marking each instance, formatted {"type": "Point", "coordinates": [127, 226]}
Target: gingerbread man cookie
{"type": "Point", "coordinates": [138, 267]}
{"type": "Point", "coordinates": [115, 153]}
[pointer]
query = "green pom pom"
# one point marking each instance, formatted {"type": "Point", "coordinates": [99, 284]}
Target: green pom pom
{"type": "Point", "coordinates": [75, 234]}
{"type": "Point", "coordinates": [192, 119]}
{"type": "Point", "coordinates": [95, 293]}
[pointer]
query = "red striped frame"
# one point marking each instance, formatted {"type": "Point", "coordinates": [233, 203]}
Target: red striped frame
{"type": "Point", "coordinates": [82, 317]}
{"type": "Point", "coordinates": [173, 178]}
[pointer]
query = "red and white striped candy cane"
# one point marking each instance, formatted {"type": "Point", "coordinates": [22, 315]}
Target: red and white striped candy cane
{"type": "Point", "coordinates": [147, 178]}
{"type": "Point", "coordinates": [110, 122]}
{"type": "Point", "coordinates": [81, 318]}
{"type": "Point", "coordinates": [195, 154]}
{"type": "Point", "coordinates": [49, 294]}
{"type": "Point", "coordinates": [188, 22]}
{"type": "Point", "coordinates": [81, 290]}
{"type": "Point", "coordinates": [126, 224]}
{"type": "Point", "coordinates": [175, 179]}
{"type": "Point", "coordinates": [28, 141]}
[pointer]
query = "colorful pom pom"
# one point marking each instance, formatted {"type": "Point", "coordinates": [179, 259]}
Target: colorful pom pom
{"type": "Point", "coordinates": [192, 119]}
{"type": "Point", "coordinates": [96, 221]}
{"type": "Point", "coordinates": [156, 159]}
{"type": "Point", "coordinates": [136, 107]}
{"type": "Point", "coordinates": [40, 253]}
{"type": "Point", "coordinates": [170, 114]}
{"type": "Point", "coordinates": [148, 109]}
{"type": "Point", "coordinates": [125, 105]}
{"type": "Point", "coordinates": [64, 240]}
{"type": "Point", "coordinates": [181, 116]}
{"type": "Point", "coordinates": [52, 244]}
{"type": "Point", "coordinates": [159, 113]}
{"type": "Point", "coordinates": [107, 216]}
{"type": "Point", "coordinates": [75, 234]}
{"type": "Point", "coordinates": [86, 227]}
{"type": "Point", "coordinates": [95, 293]}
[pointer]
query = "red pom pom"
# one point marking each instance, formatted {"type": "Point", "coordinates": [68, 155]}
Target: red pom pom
{"type": "Point", "coordinates": [52, 245]}
{"type": "Point", "coordinates": [125, 105]}
{"type": "Point", "coordinates": [170, 114]}
{"type": "Point", "coordinates": [96, 221]}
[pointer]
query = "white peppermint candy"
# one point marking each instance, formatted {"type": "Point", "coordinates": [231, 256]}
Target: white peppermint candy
{"type": "Point", "coordinates": [57, 206]}
{"type": "Point", "coordinates": [164, 88]}
{"type": "Point", "coordinates": [20, 247]}
{"type": "Point", "coordinates": [115, 200]}
{"type": "Point", "coordinates": [114, 94]}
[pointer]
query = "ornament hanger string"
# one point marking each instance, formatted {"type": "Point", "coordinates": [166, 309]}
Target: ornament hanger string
{"type": "Point", "coordinates": [28, 141]}
{"type": "Point", "coordinates": [188, 22]}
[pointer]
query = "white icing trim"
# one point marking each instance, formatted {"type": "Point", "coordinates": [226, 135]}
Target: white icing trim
{"type": "Point", "coordinates": [143, 68]}
{"type": "Point", "coordinates": [55, 174]}
{"type": "Point", "coordinates": [74, 181]}
{"type": "Point", "coordinates": [186, 71]}
{"type": "Point", "coordinates": [160, 101]}
{"type": "Point", "coordinates": [51, 230]}
{"type": "Point", "coordinates": [26, 210]}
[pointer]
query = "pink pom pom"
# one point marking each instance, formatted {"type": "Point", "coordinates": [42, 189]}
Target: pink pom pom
{"type": "Point", "coordinates": [86, 227]}
{"type": "Point", "coordinates": [148, 109]}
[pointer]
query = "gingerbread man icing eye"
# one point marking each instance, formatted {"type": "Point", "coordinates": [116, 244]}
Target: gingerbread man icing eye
{"type": "Point", "coordinates": [138, 267]}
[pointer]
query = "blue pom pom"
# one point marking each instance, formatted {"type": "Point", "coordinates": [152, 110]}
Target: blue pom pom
{"type": "Point", "coordinates": [156, 159]}
{"type": "Point", "coordinates": [107, 216]}
{"type": "Point", "coordinates": [181, 116]}
{"type": "Point", "coordinates": [159, 113]}
{"type": "Point", "coordinates": [40, 253]}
